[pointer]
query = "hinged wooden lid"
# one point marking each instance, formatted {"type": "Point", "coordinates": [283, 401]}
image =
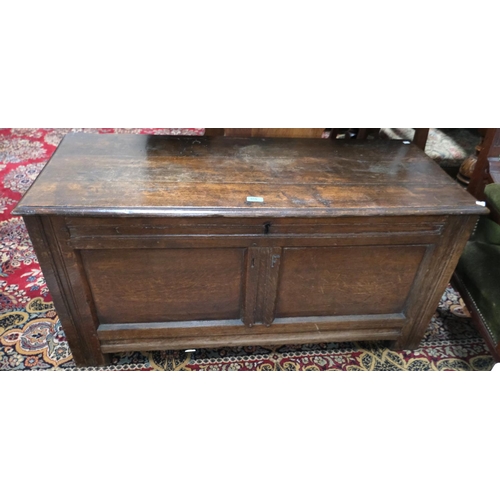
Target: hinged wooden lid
{"type": "Point", "coordinates": [104, 174]}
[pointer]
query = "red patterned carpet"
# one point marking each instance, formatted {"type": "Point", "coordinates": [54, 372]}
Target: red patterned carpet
{"type": "Point", "coordinates": [31, 337]}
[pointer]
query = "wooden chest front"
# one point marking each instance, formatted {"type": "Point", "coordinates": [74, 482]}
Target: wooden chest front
{"type": "Point", "coordinates": [158, 243]}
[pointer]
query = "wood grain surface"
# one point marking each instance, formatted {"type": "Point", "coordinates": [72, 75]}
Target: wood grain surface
{"type": "Point", "coordinates": [149, 242]}
{"type": "Point", "coordinates": [186, 176]}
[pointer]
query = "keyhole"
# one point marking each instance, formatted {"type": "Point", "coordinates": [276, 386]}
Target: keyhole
{"type": "Point", "coordinates": [267, 226]}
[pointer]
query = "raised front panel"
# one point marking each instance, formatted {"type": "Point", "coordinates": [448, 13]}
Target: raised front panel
{"type": "Point", "coordinates": [326, 281]}
{"type": "Point", "coordinates": [134, 286]}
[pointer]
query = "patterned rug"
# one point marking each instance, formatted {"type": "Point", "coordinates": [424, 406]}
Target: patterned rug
{"type": "Point", "coordinates": [31, 337]}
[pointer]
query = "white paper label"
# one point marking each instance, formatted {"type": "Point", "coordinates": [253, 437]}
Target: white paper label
{"type": "Point", "coordinates": [255, 199]}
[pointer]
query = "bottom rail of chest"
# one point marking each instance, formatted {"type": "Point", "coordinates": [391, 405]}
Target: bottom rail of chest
{"type": "Point", "coordinates": [204, 334]}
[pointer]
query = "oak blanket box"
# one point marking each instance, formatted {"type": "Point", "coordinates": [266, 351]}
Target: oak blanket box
{"type": "Point", "coordinates": [159, 242]}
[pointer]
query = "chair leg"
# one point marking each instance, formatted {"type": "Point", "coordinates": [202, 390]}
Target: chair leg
{"type": "Point", "coordinates": [420, 137]}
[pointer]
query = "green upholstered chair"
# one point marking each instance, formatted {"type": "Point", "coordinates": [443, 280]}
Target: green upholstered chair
{"type": "Point", "coordinates": [477, 276]}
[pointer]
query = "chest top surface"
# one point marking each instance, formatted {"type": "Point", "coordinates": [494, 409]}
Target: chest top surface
{"type": "Point", "coordinates": [106, 174]}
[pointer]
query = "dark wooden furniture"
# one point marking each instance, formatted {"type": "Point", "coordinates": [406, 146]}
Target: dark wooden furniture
{"type": "Point", "coordinates": [297, 133]}
{"type": "Point", "coordinates": [487, 167]}
{"type": "Point", "coordinates": [477, 276]}
{"type": "Point", "coordinates": [155, 242]}
{"type": "Point", "coordinates": [419, 138]}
